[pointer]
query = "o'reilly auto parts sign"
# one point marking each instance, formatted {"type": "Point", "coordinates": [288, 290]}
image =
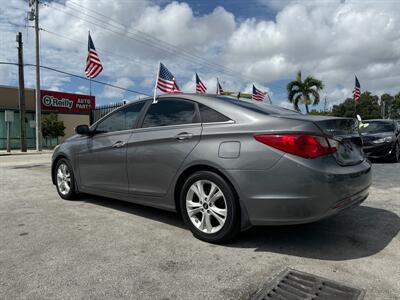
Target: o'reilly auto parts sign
{"type": "Point", "coordinates": [66, 102]}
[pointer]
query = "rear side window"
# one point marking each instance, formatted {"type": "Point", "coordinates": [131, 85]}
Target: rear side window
{"type": "Point", "coordinates": [208, 115]}
{"type": "Point", "coordinates": [170, 112]}
{"type": "Point", "coordinates": [122, 119]}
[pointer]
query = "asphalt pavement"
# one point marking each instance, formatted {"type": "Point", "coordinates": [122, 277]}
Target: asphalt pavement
{"type": "Point", "coordinates": [99, 248]}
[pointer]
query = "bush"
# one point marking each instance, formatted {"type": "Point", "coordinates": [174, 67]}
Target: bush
{"type": "Point", "coordinates": [52, 127]}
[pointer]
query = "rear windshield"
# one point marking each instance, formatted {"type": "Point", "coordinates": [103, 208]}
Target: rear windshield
{"type": "Point", "coordinates": [377, 126]}
{"type": "Point", "coordinates": [266, 109]}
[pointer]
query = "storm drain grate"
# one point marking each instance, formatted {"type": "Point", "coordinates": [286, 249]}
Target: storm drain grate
{"type": "Point", "coordinates": [294, 285]}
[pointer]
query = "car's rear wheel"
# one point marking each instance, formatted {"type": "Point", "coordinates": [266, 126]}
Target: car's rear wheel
{"type": "Point", "coordinates": [209, 207]}
{"type": "Point", "coordinates": [65, 180]}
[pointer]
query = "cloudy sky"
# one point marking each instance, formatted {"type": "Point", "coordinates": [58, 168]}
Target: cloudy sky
{"type": "Point", "coordinates": [240, 42]}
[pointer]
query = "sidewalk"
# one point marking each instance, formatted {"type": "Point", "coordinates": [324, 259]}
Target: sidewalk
{"type": "Point", "coordinates": [29, 152]}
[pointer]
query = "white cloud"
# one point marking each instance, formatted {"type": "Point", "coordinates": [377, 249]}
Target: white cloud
{"type": "Point", "coordinates": [331, 40]}
{"type": "Point", "coordinates": [110, 92]}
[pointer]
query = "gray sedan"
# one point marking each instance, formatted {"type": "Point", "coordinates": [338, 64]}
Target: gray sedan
{"type": "Point", "coordinates": [222, 164]}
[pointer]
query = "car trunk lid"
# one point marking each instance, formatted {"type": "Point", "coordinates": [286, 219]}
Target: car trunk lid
{"type": "Point", "coordinates": [342, 133]}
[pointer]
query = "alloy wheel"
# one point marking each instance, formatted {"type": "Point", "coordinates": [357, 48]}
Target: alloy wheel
{"type": "Point", "coordinates": [206, 206]}
{"type": "Point", "coordinates": [63, 179]}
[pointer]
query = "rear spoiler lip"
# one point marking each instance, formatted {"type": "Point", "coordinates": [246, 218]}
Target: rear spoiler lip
{"type": "Point", "coordinates": [310, 118]}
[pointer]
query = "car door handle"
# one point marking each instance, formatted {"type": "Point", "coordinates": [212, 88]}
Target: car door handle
{"type": "Point", "coordinates": [184, 136]}
{"type": "Point", "coordinates": [118, 144]}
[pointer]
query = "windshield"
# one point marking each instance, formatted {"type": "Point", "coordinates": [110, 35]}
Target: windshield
{"type": "Point", "coordinates": [377, 126]}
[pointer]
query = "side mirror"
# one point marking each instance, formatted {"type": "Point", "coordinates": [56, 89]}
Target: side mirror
{"type": "Point", "coordinates": [82, 129]}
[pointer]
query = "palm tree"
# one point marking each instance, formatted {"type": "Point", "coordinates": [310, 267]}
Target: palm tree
{"type": "Point", "coordinates": [301, 91]}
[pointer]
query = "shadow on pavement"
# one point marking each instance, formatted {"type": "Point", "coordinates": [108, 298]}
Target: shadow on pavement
{"type": "Point", "coordinates": [355, 233]}
{"type": "Point", "coordinates": [156, 214]}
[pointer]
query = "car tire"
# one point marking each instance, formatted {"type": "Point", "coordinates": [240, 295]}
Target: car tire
{"type": "Point", "coordinates": [209, 207]}
{"type": "Point", "coordinates": [65, 180]}
{"type": "Point", "coordinates": [396, 154]}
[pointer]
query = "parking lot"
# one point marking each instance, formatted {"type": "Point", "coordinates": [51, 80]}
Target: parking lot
{"type": "Point", "coordinates": [103, 248]}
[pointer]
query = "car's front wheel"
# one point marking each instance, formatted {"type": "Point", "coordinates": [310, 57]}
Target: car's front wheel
{"type": "Point", "coordinates": [209, 207]}
{"type": "Point", "coordinates": [396, 153]}
{"type": "Point", "coordinates": [65, 180]}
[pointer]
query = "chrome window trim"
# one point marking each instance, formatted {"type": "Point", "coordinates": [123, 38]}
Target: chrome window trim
{"type": "Point", "coordinates": [144, 129]}
{"type": "Point", "coordinates": [101, 134]}
{"type": "Point", "coordinates": [222, 122]}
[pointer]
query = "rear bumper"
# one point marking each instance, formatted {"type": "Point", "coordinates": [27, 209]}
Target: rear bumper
{"type": "Point", "coordinates": [379, 151]}
{"type": "Point", "coordinates": [299, 191]}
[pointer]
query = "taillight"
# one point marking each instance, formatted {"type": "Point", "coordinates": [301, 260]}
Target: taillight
{"type": "Point", "coordinates": [304, 145]}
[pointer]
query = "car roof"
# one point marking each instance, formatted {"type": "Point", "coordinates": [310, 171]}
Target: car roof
{"type": "Point", "coordinates": [380, 120]}
{"type": "Point", "coordinates": [230, 106]}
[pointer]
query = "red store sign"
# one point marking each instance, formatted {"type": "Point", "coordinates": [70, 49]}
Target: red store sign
{"type": "Point", "coordinates": [66, 102]}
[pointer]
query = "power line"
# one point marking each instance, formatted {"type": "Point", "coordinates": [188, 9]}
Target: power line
{"type": "Point", "coordinates": [145, 36]}
{"type": "Point", "coordinates": [152, 42]}
{"type": "Point", "coordinates": [77, 76]}
{"type": "Point", "coordinates": [101, 49]}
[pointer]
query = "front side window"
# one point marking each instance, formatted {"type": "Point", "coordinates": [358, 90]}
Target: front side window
{"type": "Point", "coordinates": [170, 112]}
{"type": "Point", "coordinates": [122, 119]}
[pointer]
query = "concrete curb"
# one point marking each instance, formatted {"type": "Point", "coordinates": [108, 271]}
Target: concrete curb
{"type": "Point", "coordinates": [4, 153]}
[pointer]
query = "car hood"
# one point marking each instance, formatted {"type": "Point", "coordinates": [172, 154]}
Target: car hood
{"type": "Point", "coordinates": [374, 136]}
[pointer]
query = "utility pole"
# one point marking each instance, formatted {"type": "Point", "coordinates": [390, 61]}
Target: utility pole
{"type": "Point", "coordinates": [21, 90]}
{"type": "Point", "coordinates": [34, 5]}
{"type": "Point", "coordinates": [325, 104]}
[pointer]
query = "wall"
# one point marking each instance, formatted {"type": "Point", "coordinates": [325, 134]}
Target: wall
{"type": "Point", "coordinates": [70, 122]}
{"type": "Point", "coordinates": [9, 98]}
{"type": "Point", "coordinates": [9, 101]}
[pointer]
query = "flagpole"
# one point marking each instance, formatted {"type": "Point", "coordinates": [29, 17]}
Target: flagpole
{"type": "Point", "coordinates": [90, 78]}
{"type": "Point", "coordinates": [354, 99]}
{"type": "Point", "coordinates": [155, 85]}
{"type": "Point", "coordinates": [269, 98]}
{"type": "Point", "coordinates": [355, 108]}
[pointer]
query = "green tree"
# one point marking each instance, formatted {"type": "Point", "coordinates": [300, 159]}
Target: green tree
{"type": "Point", "coordinates": [344, 109]}
{"type": "Point", "coordinates": [305, 92]}
{"type": "Point", "coordinates": [396, 107]}
{"type": "Point", "coordinates": [387, 105]}
{"type": "Point", "coordinates": [368, 108]}
{"type": "Point", "coordinates": [52, 127]}
{"type": "Point", "coordinates": [319, 112]}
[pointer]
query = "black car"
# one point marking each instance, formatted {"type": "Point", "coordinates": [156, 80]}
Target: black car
{"type": "Point", "coordinates": [381, 139]}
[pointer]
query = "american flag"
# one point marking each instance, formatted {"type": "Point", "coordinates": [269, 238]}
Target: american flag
{"type": "Point", "coordinates": [166, 81]}
{"type": "Point", "coordinates": [200, 87]}
{"type": "Point", "coordinates": [93, 63]}
{"type": "Point", "coordinates": [220, 91]}
{"type": "Point", "coordinates": [357, 91]}
{"type": "Point", "coordinates": [257, 94]}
